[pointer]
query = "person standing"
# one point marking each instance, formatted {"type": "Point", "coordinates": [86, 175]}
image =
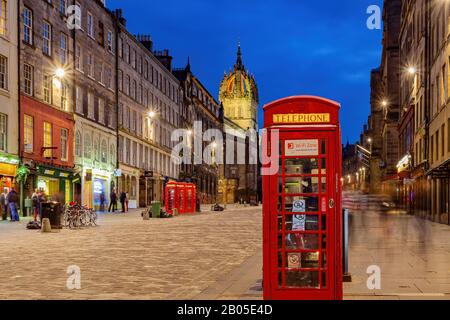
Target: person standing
{"type": "Point", "coordinates": [126, 202]}
{"type": "Point", "coordinates": [4, 204]}
{"type": "Point", "coordinates": [102, 202]}
{"type": "Point", "coordinates": [13, 200]}
{"type": "Point", "coordinates": [123, 198]}
{"type": "Point", "coordinates": [113, 201]}
{"type": "Point", "coordinates": [35, 199]}
{"type": "Point", "coordinates": [41, 199]}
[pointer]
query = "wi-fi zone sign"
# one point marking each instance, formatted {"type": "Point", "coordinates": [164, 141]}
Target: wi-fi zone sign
{"type": "Point", "coordinates": [301, 148]}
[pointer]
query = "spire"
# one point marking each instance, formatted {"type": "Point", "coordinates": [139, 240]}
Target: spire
{"type": "Point", "coordinates": [188, 66]}
{"type": "Point", "coordinates": [239, 65]}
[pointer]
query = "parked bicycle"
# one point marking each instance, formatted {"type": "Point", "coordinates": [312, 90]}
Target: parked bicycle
{"type": "Point", "coordinates": [76, 216]}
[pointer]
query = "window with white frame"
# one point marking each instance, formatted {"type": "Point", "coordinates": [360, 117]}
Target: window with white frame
{"type": "Point", "coordinates": [91, 105]}
{"type": "Point", "coordinates": [90, 65]}
{"type": "Point", "coordinates": [3, 17]}
{"type": "Point", "coordinates": [78, 57]}
{"type": "Point", "coordinates": [3, 131]}
{"type": "Point", "coordinates": [79, 100]}
{"type": "Point", "coordinates": [3, 72]}
{"type": "Point", "coordinates": [90, 25]}
{"type": "Point", "coordinates": [101, 110]}
{"type": "Point", "coordinates": [110, 41]}
{"type": "Point", "coordinates": [48, 140]}
{"type": "Point", "coordinates": [112, 154]}
{"type": "Point", "coordinates": [87, 146]}
{"type": "Point", "coordinates": [47, 86]}
{"type": "Point", "coordinates": [27, 26]}
{"type": "Point", "coordinates": [100, 75]}
{"type": "Point", "coordinates": [63, 49]}
{"type": "Point", "coordinates": [64, 102]}
{"type": "Point", "coordinates": [28, 79]}
{"type": "Point", "coordinates": [62, 7]}
{"type": "Point", "coordinates": [78, 145]}
{"type": "Point", "coordinates": [104, 151]}
{"type": "Point", "coordinates": [64, 144]}
{"type": "Point", "coordinates": [46, 38]}
{"type": "Point", "coordinates": [28, 133]}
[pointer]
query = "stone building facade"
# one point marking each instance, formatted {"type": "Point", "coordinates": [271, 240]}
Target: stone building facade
{"type": "Point", "coordinates": [149, 104]}
{"type": "Point", "coordinates": [94, 90]}
{"type": "Point", "coordinates": [9, 122]}
{"type": "Point", "coordinates": [200, 108]}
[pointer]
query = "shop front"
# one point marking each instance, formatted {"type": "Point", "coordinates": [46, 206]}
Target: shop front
{"type": "Point", "coordinates": [8, 169]}
{"type": "Point", "coordinates": [55, 182]}
{"type": "Point", "coordinates": [129, 183]}
{"type": "Point", "coordinates": [97, 184]}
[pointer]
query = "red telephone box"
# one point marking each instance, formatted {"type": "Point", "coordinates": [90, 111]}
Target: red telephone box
{"type": "Point", "coordinates": [181, 196]}
{"type": "Point", "coordinates": [302, 201]}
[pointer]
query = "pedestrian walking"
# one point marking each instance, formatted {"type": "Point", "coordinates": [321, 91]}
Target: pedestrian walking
{"type": "Point", "coordinates": [123, 198]}
{"type": "Point", "coordinates": [13, 201]}
{"type": "Point", "coordinates": [112, 201]}
{"type": "Point", "coordinates": [35, 199]}
{"type": "Point", "coordinates": [4, 204]}
{"type": "Point", "coordinates": [102, 202]}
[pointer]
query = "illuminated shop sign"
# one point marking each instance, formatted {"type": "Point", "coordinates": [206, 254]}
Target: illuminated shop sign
{"type": "Point", "coordinates": [404, 163]}
{"type": "Point", "coordinates": [9, 159]}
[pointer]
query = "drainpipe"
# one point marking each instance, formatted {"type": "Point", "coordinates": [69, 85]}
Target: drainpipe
{"type": "Point", "coordinates": [428, 99]}
{"type": "Point", "coordinates": [117, 25]}
{"type": "Point", "coordinates": [19, 106]}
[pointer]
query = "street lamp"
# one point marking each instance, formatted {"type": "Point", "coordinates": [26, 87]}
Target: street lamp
{"type": "Point", "coordinates": [412, 70]}
{"type": "Point", "coordinates": [151, 114]}
{"type": "Point", "coordinates": [60, 73]}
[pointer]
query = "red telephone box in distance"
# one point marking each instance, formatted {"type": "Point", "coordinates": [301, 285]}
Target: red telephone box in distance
{"type": "Point", "coordinates": [302, 202]}
{"type": "Point", "coordinates": [181, 196]}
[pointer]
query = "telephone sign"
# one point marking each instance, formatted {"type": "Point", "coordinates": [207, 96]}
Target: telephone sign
{"type": "Point", "coordinates": [301, 204]}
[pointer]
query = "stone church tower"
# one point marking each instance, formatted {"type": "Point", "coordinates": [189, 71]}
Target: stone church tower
{"type": "Point", "coordinates": [238, 95]}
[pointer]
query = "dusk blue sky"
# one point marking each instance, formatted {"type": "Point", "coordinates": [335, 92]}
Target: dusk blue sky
{"type": "Point", "coordinates": [292, 47]}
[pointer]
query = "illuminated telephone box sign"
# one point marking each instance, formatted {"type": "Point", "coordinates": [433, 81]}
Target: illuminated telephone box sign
{"type": "Point", "coordinates": [302, 213]}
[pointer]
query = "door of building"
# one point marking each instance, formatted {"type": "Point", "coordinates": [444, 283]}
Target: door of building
{"type": "Point", "coordinates": [303, 217]}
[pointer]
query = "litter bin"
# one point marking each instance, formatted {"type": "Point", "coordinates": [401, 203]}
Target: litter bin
{"type": "Point", "coordinates": [156, 209]}
{"type": "Point", "coordinates": [52, 211]}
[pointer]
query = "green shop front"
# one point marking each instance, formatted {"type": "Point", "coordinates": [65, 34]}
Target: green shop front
{"type": "Point", "coordinates": [56, 183]}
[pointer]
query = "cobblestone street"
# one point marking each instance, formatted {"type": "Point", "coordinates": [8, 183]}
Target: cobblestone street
{"type": "Point", "coordinates": [205, 256]}
{"type": "Point", "coordinates": [215, 256]}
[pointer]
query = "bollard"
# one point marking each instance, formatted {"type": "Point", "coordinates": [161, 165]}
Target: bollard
{"type": "Point", "coordinates": [46, 226]}
{"type": "Point", "coordinates": [347, 277]}
{"type": "Point", "coordinates": [146, 215]}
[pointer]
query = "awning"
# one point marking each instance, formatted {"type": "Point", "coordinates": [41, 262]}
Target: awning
{"type": "Point", "coordinates": [441, 172]}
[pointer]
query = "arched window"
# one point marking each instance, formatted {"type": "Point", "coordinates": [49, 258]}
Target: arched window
{"type": "Point", "coordinates": [87, 146]}
{"type": "Point", "coordinates": [112, 154]}
{"type": "Point", "coordinates": [78, 145]}
{"type": "Point", "coordinates": [96, 150]}
{"type": "Point", "coordinates": [104, 152]}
